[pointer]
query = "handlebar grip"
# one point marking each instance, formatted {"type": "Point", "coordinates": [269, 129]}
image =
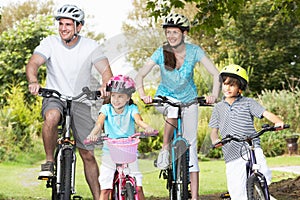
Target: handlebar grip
{"type": "Point", "coordinates": [286, 126]}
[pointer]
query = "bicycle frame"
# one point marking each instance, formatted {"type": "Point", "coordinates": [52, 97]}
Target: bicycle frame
{"type": "Point", "coordinates": [252, 169]}
{"type": "Point", "coordinates": [255, 179]}
{"type": "Point", "coordinates": [124, 185]}
{"type": "Point", "coordinates": [63, 180]}
{"type": "Point", "coordinates": [178, 183]}
{"type": "Point", "coordinates": [119, 184]}
{"type": "Point", "coordinates": [177, 137]}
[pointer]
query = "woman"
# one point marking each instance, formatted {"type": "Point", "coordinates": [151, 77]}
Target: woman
{"type": "Point", "coordinates": [177, 60]}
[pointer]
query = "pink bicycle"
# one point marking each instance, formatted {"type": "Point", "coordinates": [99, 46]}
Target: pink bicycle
{"type": "Point", "coordinates": [124, 151]}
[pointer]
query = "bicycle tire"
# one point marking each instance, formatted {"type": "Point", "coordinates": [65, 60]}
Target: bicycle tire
{"type": "Point", "coordinates": [255, 190]}
{"type": "Point", "coordinates": [183, 171]}
{"type": "Point", "coordinates": [129, 195]}
{"type": "Point", "coordinates": [54, 188]}
{"type": "Point", "coordinates": [178, 189]}
{"type": "Point", "coordinates": [65, 192]}
{"type": "Point", "coordinates": [115, 190]}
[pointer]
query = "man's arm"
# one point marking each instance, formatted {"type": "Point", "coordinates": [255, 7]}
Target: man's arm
{"type": "Point", "coordinates": [104, 69]}
{"type": "Point", "coordinates": [32, 73]}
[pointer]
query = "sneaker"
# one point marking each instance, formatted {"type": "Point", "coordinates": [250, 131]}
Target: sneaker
{"type": "Point", "coordinates": [47, 169]}
{"type": "Point", "coordinates": [163, 159]}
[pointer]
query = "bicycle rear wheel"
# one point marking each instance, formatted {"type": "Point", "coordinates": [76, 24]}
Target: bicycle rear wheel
{"type": "Point", "coordinates": [255, 190]}
{"type": "Point", "coordinates": [66, 176]}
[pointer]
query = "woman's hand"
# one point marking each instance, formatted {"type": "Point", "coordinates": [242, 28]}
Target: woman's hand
{"type": "Point", "coordinates": [211, 99]}
{"type": "Point", "coordinates": [146, 99]}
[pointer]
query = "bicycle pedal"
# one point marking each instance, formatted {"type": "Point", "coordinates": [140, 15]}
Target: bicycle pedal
{"type": "Point", "coordinates": [44, 178]}
{"type": "Point", "coordinates": [225, 195]}
{"type": "Point", "coordinates": [77, 197]}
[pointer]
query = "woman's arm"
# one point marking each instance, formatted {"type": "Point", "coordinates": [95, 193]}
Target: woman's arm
{"type": "Point", "coordinates": [143, 72]}
{"type": "Point", "coordinates": [139, 121]}
{"type": "Point", "coordinates": [210, 67]}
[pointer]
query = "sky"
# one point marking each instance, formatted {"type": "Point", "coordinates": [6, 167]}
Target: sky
{"type": "Point", "coordinates": [108, 14]}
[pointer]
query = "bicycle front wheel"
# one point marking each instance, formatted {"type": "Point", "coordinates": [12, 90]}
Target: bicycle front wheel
{"type": "Point", "coordinates": [66, 178]}
{"type": "Point", "coordinates": [255, 190]}
{"type": "Point", "coordinates": [129, 191]}
{"type": "Point", "coordinates": [181, 182]}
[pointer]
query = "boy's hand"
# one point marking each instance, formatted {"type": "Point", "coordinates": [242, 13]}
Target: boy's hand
{"type": "Point", "coordinates": [279, 124]}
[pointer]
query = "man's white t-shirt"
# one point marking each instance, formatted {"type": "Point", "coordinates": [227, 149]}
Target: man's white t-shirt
{"type": "Point", "coordinates": [69, 68]}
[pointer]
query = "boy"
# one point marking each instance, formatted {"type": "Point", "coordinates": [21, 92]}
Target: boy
{"type": "Point", "coordinates": [234, 115]}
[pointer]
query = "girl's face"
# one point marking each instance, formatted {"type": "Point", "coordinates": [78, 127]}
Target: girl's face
{"type": "Point", "coordinates": [119, 100]}
{"type": "Point", "coordinates": [230, 88]}
{"type": "Point", "coordinates": [174, 35]}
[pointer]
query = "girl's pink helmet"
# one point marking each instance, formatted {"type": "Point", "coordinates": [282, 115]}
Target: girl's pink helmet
{"type": "Point", "coordinates": [121, 84]}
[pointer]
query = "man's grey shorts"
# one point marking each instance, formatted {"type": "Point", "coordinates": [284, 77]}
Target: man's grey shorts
{"type": "Point", "coordinates": [82, 122]}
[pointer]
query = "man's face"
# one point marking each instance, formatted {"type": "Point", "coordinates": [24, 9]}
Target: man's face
{"type": "Point", "coordinates": [66, 28]}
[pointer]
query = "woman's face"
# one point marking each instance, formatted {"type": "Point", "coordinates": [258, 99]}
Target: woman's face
{"type": "Point", "coordinates": [119, 100]}
{"type": "Point", "coordinates": [174, 35]}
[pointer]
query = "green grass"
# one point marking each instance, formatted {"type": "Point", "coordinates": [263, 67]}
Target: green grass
{"type": "Point", "coordinates": [19, 180]}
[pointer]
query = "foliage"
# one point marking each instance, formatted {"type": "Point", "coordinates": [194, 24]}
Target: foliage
{"type": "Point", "coordinates": [17, 45]}
{"type": "Point", "coordinates": [210, 13]}
{"type": "Point", "coordinates": [15, 12]}
{"type": "Point", "coordinates": [259, 39]}
{"type": "Point", "coordinates": [20, 124]}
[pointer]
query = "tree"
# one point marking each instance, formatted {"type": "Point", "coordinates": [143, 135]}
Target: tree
{"type": "Point", "coordinates": [15, 12]}
{"type": "Point", "coordinates": [261, 40]}
{"type": "Point", "coordinates": [17, 45]}
{"type": "Point", "coordinates": [210, 13]}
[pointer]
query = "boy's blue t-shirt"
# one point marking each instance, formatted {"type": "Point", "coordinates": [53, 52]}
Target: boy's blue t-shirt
{"type": "Point", "coordinates": [179, 83]}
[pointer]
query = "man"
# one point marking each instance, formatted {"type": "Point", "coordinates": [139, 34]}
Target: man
{"type": "Point", "coordinates": [69, 58]}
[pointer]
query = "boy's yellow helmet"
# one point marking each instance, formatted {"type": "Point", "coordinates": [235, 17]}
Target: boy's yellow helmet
{"type": "Point", "coordinates": [237, 72]}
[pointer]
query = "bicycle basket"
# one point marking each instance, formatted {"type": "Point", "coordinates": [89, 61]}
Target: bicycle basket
{"type": "Point", "coordinates": [123, 150]}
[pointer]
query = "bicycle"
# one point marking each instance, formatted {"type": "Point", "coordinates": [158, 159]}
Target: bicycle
{"type": "Point", "coordinates": [257, 187]}
{"type": "Point", "coordinates": [62, 182]}
{"type": "Point", "coordinates": [177, 174]}
{"type": "Point", "coordinates": [123, 151]}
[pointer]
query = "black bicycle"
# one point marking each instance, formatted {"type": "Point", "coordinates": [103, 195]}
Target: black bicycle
{"type": "Point", "coordinates": [62, 182]}
{"type": "Point", "coordinates": [177, 174]}
{"type": "Point", "coordinates": [257, 187]}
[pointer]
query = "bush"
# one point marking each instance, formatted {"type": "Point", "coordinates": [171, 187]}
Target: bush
{"type": "Point", "coordinates": [20, 124]}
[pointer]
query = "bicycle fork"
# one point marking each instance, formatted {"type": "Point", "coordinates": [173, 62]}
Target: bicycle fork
{"type": "Point", "coordinates": [252, 169]}
{"type": "Point", "coordinates": [59, 161]}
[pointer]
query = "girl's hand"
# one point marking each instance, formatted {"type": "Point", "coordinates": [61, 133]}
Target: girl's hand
{"type": "Point", "coordinates": [146, 99]}
{"type": "Point", "coordinates": [93, 137]}
{"type": "Point", "coordinates": [149, 129]}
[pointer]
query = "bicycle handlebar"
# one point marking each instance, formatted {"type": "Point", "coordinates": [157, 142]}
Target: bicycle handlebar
{"type": "Point", "coordinates": [90, 95]}
{"type": "Point", "coordinates": [159, 100]}
{"type": "Point", "coordinates": [103, 137]}
{"type": "Point", "coordinates": [229, 138]}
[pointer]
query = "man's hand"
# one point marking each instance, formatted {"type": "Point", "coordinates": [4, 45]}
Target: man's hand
{"type": "Point", "coordinates": [34, 88]}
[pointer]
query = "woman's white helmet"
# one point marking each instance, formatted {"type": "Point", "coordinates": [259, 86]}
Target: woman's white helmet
{"type": "Point", "coordinates": [70, 12]}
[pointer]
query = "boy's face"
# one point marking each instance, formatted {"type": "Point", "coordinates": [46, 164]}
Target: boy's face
{"type": "Point", "coordinates": [119, 100]}
{"type": "Point", "coordinates": [230, 88]}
